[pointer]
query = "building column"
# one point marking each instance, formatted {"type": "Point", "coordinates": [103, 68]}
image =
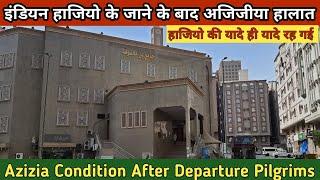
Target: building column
{"type": "Point", "coordinates": [188, 138]}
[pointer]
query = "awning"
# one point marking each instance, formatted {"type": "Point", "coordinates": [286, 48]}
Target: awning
{"type": "Point", "coordinates": [209, 139]}
{"type": "Point", "coordinates": [59, 145]}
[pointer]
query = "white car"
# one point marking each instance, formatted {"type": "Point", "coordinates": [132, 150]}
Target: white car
{"type": "Point", "coordinates": [269, 151]}
{"type": "Point", "coordinates": [282, 153]}
{"type": "Point", "coordinates": [275, 152]}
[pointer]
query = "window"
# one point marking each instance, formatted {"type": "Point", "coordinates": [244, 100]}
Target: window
{"type": "Point", "coordinates": [254, 119]}
{"type": "Point", "coordinates": [4, 120]}
{"type": "Point", "coordinates": [264, 129]}
{"type": "Point", "coordinates": [83, 95]}
{"type": "Point", "coordinates": [125, 66]}
{"type": "Point", "coordinates": [64, 93]}
{"type": "Point", "coordinates": [228, 92]}
{"type": "Point", "coordinates": [124, 120]}
{"type": "Point", "coordinates": [1, 61]}
{"type": "Point", "coordinates": [237, 92]}
{"type": "Point", "coordinates": [99, 96]}
{"type": "Point", "coordinates": [263, 139]}
{"type": "Point", "coordinates": [66, 59]}
{"type": "Point", "coordinates": [100, 63]}
{"type": "Point", "coordinates": [254, 129]}
{"type": "Point", "coordinates": [143, 119]}
{"type": "Point", "coordinates": [239, 129]}
{"type": "Point", "coordinates": [229, 119]}
{"type": "Point", "coordinates": [82, 118]}
{"type": "Point", "coordinates": [151, 70]}
{"type": "Point", "coordinates": [36, 61]}
{"type": "Point", "coordinates": [261, 100]}
{"type": "Point", "coordinates": [130, 120]}
{"type": "Point", "coordinates": [173, 72]}
{"type": "Point", "coordinates": [239, 119]}
{"type": "Point", "coordinates": [230, 130]}
{"type": "Point", "coordinates": [229, 101]}
{"type": "Point", "coordinates": [7, 60]}
{"type": "Point", "coordinates": [5, 93]}
{"type": "Point", "coordinates": [62, 118]}
{"type": "Point", "coordinates": [84, 61]}
{"type": "Point", "coordinates": [137, 119]}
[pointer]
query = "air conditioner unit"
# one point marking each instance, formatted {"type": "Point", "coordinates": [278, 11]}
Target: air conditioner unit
{"type": "Point", "coordinates": [86, 145]}
{"type": "Point", "coordinates": [19, 155]}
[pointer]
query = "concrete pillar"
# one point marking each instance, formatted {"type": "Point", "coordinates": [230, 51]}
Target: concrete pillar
{"type": "Point", "coordinates": [188, 138]}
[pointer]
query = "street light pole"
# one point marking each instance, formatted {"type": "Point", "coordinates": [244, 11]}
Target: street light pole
{"type": "Point", "coordinates": [41, 134]}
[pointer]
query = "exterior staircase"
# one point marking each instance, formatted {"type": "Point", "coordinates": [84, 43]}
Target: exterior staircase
{"type": "Point", "coordinates": [111, 150]}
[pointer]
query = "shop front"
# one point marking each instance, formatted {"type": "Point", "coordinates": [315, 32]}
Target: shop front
{"type": "Point", "coordinates": [58, 146]}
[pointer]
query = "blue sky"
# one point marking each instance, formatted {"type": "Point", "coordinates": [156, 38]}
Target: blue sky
{"type": "Point", "coordinates": [257, 58]}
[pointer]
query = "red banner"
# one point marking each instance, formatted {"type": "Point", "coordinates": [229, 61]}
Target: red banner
{"type": "Point", "coordinates": [165, 12]}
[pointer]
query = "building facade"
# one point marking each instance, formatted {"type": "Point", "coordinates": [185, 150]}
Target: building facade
{"type": "Point", "coordinates": [243, 75]}
{"type": "Point", "coordinates": [297, 73]}
{"type": "Point", "coordinates": [229, 71]}
{"type": "Point", "coordinates": [246, 115]}
{"type": "Point", "coordinates": [277, 139]}
{"type": "Point", "coordinates": [64, 91]}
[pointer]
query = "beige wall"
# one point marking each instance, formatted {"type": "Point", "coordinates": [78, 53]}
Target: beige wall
{"type": "Point", "coordinates": [36, 98]}
{"type": "Point", "coordinates": [111, 77]}
{"type": "Point", "coordinates": [23, 108]}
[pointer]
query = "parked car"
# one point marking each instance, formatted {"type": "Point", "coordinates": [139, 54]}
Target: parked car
{"type": "Point", "coordinates": [282, 153]}
{"type": "Point", "coordinates": [276, 152]}
{"type": "Point", "coordinates": [269, 151]}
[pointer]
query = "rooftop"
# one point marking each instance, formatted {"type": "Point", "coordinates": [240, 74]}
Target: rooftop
{"type": "Point", "coordinates": [102, 37]}
{"type": "Point", "coordinates": [156, 84]}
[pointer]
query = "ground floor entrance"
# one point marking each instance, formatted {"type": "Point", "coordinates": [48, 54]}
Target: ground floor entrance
{"type": "Point", "coordinates": [243, 152]}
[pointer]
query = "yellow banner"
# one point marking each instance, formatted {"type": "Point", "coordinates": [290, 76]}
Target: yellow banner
{"type": "Point", "coordinates": [242, 34]}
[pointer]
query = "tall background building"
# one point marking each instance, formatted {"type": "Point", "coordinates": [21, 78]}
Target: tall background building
{"type": "Point", "coordinates": [246, 117]}
{"type": "Point", "coordinates": [297, 70]}
{"type": "Point", "coordinates": [229, 71]}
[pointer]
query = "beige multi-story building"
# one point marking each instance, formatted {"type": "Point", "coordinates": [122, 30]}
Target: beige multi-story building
{"type": "Point", "coordinates": [243, 75]}
{"type": "Point", "coordinates": [229, 71]}
{"type": "Point", "coordinates": [67, 93]}
{"type": "Point", "coordinates": [297, 74]}
{"type": "Point", "coordinates": [246, 114]}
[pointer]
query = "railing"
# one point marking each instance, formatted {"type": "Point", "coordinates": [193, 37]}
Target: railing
{"type": "Point", "coordinates": [118, 151]}
{"type": "Point", "coordinates": [97, 138]}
